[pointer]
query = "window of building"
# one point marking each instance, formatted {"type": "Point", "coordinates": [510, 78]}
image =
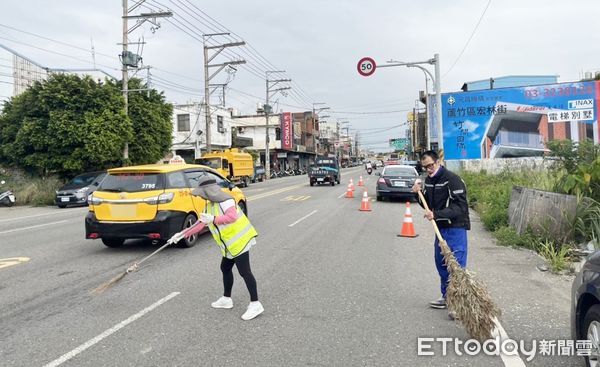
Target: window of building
{"type": "Point", "coordinates": [220, 126]}
{"type": "Point", "coordinates": [183, 122]}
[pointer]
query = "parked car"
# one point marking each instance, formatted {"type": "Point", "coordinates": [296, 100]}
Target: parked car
{"type": "Point", "coordinates": [396, 181]}
{"type": "Point", "coordinates": [260, 174]}
{"type": "Point", "coordinates": [150, 201]}
{"type": "Point", "coordinates": [585, 307]}
{"type": "Point", "coordinates": [76, 191]}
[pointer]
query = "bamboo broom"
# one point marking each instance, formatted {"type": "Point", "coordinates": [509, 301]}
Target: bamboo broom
{"type": "Point", "coordinates": [104, 286]}
{"type": "Point", "coordinates": [466, 295]}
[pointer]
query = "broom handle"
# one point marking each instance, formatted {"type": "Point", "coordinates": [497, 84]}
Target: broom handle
{"type": "Point", "coordinates": [435, 227]}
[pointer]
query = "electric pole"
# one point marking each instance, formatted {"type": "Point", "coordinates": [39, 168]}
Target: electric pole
{"type": "Point", "coordinates": [207, 78]}
{"type": "Point", "coordinates": [129, 59]}
{"type": "Point", "coordinates": [270, 84]}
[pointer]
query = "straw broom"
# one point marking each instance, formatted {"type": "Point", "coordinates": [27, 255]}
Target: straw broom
{"type": "Point", "coordinates": [466, 295]}
{"type": "Point", "coordinates": [103, 287]}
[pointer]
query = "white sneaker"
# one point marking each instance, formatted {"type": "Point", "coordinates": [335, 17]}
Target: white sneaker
{"type": "Point", "coordinates": [254, 309]}
{"type": "Point", "coordinates": [223, 302]}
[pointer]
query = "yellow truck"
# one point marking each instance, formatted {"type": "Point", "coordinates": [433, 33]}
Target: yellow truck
{"type": "Point", "coordinates": [235, 165]}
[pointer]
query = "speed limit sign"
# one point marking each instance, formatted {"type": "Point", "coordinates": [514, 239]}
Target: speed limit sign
{"type": "Point", "coordinates": [366, 66]}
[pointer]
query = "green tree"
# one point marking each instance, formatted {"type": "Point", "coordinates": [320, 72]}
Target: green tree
{"type": "Point", "coordinates": [152, 126]}
{"type": "Point", "coordinates": [70, 124]}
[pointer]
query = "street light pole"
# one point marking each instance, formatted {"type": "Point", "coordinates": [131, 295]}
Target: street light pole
{"type": "Point", "coordinates": [437, 80]}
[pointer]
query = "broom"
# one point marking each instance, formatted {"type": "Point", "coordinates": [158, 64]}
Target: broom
{"type": "Point", "coordinates": [466, 296]}
{"type": "Point", "coordinates": [103, 287]}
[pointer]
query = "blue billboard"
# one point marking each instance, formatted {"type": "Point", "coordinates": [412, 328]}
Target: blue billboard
{"type": "Point", "coordinates": [517, 122]}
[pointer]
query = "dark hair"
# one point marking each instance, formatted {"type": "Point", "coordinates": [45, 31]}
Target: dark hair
{"type": "Point", "coordinates": [431, 154]}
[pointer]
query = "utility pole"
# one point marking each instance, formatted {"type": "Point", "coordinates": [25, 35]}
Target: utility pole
{"type": "Point", "coordinates": [315, 112]}
{"type": "Point", "coordinates": [207, 78]}
{"type": "Point", "coordinates": [267, 108]}
{"type": "Point", "coordinates": [130, 59]}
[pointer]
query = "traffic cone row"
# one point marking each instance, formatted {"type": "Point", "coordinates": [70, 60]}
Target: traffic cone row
{"type": "Point", "coordinates": [408, 228]}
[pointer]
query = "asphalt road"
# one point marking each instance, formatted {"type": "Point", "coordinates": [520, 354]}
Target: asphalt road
{"type": "Point", "coordinates": [338, 286]}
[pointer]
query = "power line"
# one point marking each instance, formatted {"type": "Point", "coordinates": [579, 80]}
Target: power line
{"type": "Point", "coordinates": [369, 113]}
{"type": "Point", "coordinates": [470, 37]}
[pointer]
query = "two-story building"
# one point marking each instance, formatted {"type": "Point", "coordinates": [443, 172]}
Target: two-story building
{"type": "Point", "coordinates": [189, 127]}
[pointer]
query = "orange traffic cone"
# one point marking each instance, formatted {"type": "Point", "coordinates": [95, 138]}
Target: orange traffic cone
{"type": "Point", "coordinates": [365, 203]}
{"type": "Point", "coordinates": [360, 181]}
{"type": "Point", "coordinates": [349, 192]}
{"type": "Point", "coordinates": [351, 184]}
{"type": "Point", "coordinates": [408, 228]}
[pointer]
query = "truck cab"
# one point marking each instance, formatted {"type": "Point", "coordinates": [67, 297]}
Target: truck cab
{"type": "Point", "coordinates": [325, 170]}
{"type": "Point", "coordinates": [235, 165]}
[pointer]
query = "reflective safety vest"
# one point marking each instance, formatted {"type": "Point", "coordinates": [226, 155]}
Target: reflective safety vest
{"type": "Point", "coordinates": [232, 238]}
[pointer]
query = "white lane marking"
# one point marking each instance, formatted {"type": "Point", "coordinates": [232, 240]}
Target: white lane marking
{"type": "Point", "coordinates": [30, 227]}
{"type": "Point", "coordinates": [344, 193]}
{"type": "Point", "coordinates": [39, 215]}
{"type": "Point", "coordinates": [509, 360]}
{"type": "Point", "coordinates": [112, 330]}
{"type": "Point", "coordinates": [303, 218]}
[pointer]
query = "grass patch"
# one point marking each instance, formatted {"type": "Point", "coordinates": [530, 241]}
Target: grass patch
{"type": "Point", "coordinates": [33, 191]}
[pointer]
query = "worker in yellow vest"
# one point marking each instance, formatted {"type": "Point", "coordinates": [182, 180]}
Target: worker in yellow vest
{"type": "Point", "coordinates": [234, 234]}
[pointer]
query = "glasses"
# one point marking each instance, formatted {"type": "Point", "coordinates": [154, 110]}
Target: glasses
{"type": "Point", "coordinates": [429, 166]}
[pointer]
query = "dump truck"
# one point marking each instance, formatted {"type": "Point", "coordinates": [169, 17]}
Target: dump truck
{"type": "Point", "coordinates": [235, 165]}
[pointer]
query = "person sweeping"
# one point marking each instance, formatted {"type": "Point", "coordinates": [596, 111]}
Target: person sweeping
{"type": "Point", "coordinates": [446, 196]}
{"type": "Point", "coordinates": [234, 234]}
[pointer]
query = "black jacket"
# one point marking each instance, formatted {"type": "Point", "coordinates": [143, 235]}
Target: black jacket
{"type": "Point", "coordinates": [446, 195]}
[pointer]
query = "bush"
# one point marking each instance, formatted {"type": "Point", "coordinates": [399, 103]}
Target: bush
{"type": "Point", "coordinates": [508, 236]}
{"type": "Point", "coordinates": [34, 191]}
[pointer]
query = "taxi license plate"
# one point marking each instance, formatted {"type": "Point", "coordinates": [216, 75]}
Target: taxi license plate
{"type": "Point", "coordinates": [399, 184]}
{"type": "Point", "coordinates": [123, 210]}
{"type": "Point", "coordinates": [64, 199]}
{"type": "Point", "coordinates": [320, 179]}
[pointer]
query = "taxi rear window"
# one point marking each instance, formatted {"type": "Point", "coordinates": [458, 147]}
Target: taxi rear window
{"type": "Point", "coordinates": [133, 182]}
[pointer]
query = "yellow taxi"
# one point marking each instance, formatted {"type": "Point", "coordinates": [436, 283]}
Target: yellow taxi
{"type": "Point", "coordinates": [151, 201]}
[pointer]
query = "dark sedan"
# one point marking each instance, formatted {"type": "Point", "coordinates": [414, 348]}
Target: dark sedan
{"type": "Point", "coordinates": [396, 181]}
{"type": "Point", "coordinates": [585, 307]}
{"type": "Point", "coordinates": [76, 191]}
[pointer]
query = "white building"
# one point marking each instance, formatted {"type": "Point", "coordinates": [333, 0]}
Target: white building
{"type": "Point", "coordinates": [189, 130]}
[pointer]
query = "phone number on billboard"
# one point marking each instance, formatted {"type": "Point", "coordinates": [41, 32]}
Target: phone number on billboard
{"type": "Point", "coordinates": [559, 92]}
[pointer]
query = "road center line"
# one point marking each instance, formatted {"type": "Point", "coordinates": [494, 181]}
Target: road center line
{"type": "Point", "coordinates": [509, 360]}
{"type": "Point", "coordinates": [339, 197]}
{"type": "Point", "coordinates": [112, 330]}
{"type": "Point", "coordinates": [270, 193]}
{"type": "Point", "coordinates": [303, 218]}
{"type": "Point", "coordinates": [30, 227]}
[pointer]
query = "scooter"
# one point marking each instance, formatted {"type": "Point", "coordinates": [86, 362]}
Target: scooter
{"type": "Point", "coordinates": [7, 198]}
{"type": "Point", "coordinates": [369, 170]}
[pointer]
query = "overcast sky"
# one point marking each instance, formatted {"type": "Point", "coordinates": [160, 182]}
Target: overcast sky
{"type": "Point", "coordinates": [318, 44]}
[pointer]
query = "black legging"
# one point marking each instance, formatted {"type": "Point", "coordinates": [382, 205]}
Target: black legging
{"type": "Point", "coordinates": [242, 262]}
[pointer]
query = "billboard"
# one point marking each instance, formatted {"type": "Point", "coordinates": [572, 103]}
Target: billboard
{"type": "Point", "coordinates": [286, 131]}
{"type": "Point", "coordinates": [517, 122]}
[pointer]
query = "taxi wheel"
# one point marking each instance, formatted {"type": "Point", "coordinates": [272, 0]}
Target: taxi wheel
{"type": "Point", "coordinates": [242, 206]}
{"type": "Point", "coordinates": [191, 241]}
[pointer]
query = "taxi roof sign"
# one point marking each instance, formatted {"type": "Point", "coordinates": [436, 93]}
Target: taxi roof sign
{"type": "Point", "coordinates": [176, 160]}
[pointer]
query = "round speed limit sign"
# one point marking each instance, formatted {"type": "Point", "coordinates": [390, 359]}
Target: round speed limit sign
{"type": "Point", "coordinates": [366, 66]}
